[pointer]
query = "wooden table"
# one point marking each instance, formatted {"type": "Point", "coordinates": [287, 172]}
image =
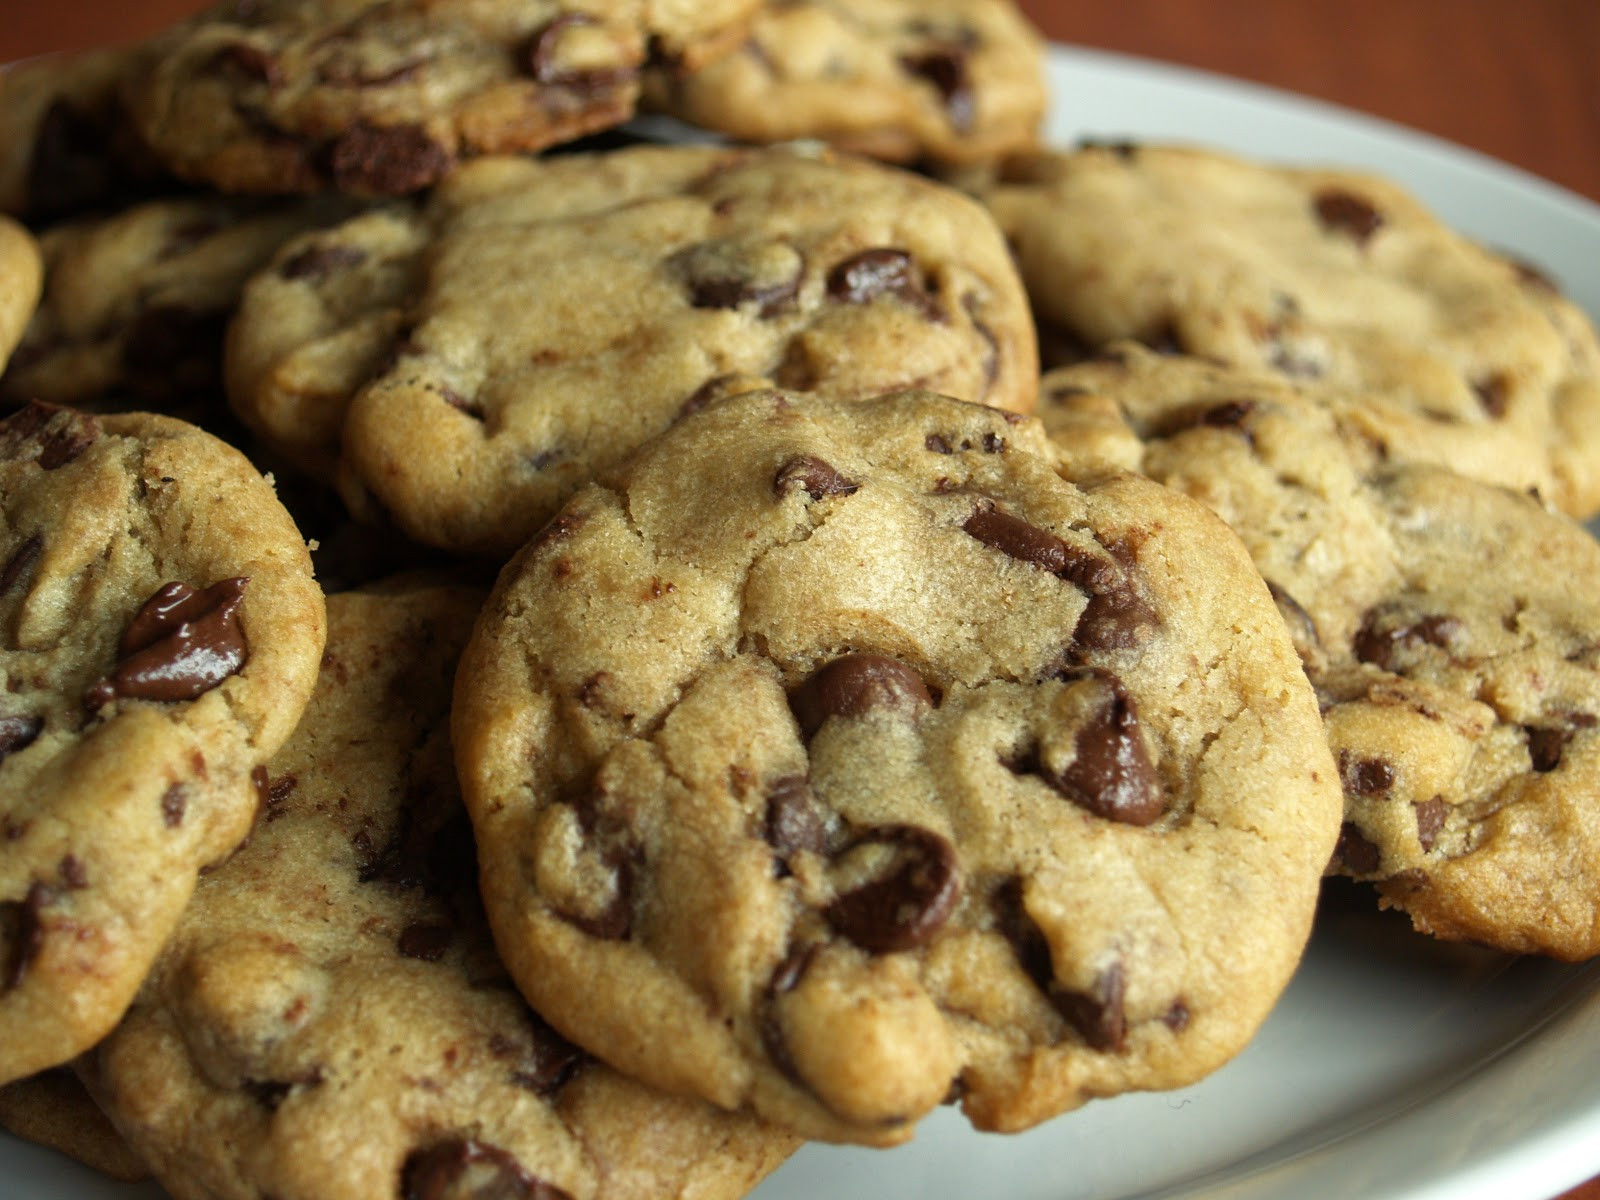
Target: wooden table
{"type": "Point", "coordinates": [1516, 80]}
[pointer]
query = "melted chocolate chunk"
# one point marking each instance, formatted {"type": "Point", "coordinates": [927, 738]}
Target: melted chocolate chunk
{"type": "Point", "coordinates": [387, 160]}
{"type": "Point", "coordinates": [317, 262]}
{"type": "Point", "coordinates": [467, 1169]}
{"type": "Point", "coordinates": [1430, 820]}
{"type": "Point", "coordinates": [59, 434]}
{"type": "Point", "coordinates": [179, 645]}
{"type": "Point", "coordinates": [793, 822]}
{"type": "Point", "coordinates": [881, 271]}
{"type": "Point", "coordinates": [854, 685]}
{"type": "Point", "coordinates": [1347, 213]}
{"type": "Point", "coordinates": [817, 477]}
{"type": "Point", "coordinates": [1098, 1013]}
{"type": "Point", "coordinates": [1111, 774]}
{"type": "Point", "coordinates": [911, 897]}
{"type": "Point", "coordinates": [18, 733]}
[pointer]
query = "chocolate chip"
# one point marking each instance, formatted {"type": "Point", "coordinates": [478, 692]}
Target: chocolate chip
{"type": "Point", "coordinates": [59, 434]}
{"type": "Point", "coordinates": [733, 273]}
{"type": "Point", "coordinates": [1302, 629]}
{"type": "Point", "coordinates": [179, 645]}
{"type": "Point", "coordinates": [467, 1169]}
{"type": "Point", "coordinates": [785, 978]}
{"type": "Point", "coordinates": [1345, 212]}
{"type": "Point", "coordinates": [1098, 1014]}
{"type": "Point", "coordinates": [913, 891]}
{"type": "Point", "coordinates": [610, 843]}
{"type": "Point", "coordinates": [1027, 940]}
{"type": "Point", "coordinates": [1359, 856]}
{"type": "Point", "coordinates": [1380, 646]}
{"type": "Point", "coordinates": [937, 443]}
{"type": "Point", "coordinates": [854, 685]}
{"type": "Point", "coordinates": [543, 1062]}
{"type": "Point", "coordinates": [20, 562]}
{"type": "Point", "coordinates": [317, 262]}
{"type": "Point", "coordinates": [387, 160]}
{"type": "Point", "coordinates": [541, 61]}
{"type": "Point", "coordinates": [881, 271]}
{"type": "Point", "coordinates": [1110, 773]}
{"type": "Point", "coordinates": [1018, 539]}
{"type": "Point", "coordinates": [1545, 747]}
{"type": "Point", "coordinates": [1177, 1017]}
{"type": "Point", "coordinates": [174, 801]}
{"type": "Point", "coordinates": [22, 927]}
{"type": "Point", "coordinates": [1494, 392]}
{"type": "Point", "coordinates": [793, 822]}
{"type": "Point", "coordinates": [271, 1093]}
{"type": "Point", "coordinates": [1364, 776]}
{"type": "Point", "coordinates": [817, 477]}
{"type": "Point", "coordinates": [1430, 820]}
{"type": "Point", "coordinates": [18, 733]}
{"type": "Point", "coordinates": [946, 68]}
{"type": "Point", "coordinates": [425, 940]}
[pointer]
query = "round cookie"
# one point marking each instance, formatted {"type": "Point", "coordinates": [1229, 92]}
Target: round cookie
{"type": "Point", "coordinates": [1321, 275]}
{"type": "Point", "coordinates": [1448, 626]}
{"type": "Point", "coordinates": [53, 1109]}
{"type": "Point", "coordinates": [644, 282]}
{"type": "Point", "coordinates": [876, 765]}
{"type": "Point", "coordinates": [21, 277]}
{"type": "Point", "coordinates": [66, 145]}
{"type": "Point", "coordinates": [159, 634]}
{"type": "Point", "coordinates": [956, 82]}
{"type": "Point", "coordinates": [330, 1018]}
{"type": "Point", "coordinates": [136, 304]}
{"type": "Point", "coordinates": [285, 96]}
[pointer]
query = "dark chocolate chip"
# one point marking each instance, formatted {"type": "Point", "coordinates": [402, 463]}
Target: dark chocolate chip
{"type": "Point", "coordinates": [60, 434]}
{"type": "Point", "coordinates": [1302, 628]}
{"type": "Point", "coordinates": [1430, 820]}
{"type": "Point", "coordinates": [793, 822]}
{"type": "Point", "coordinates": [881, 271]}
{"type": "Point", "coordinates": [854, 685]}
{"type": "Point", "coordinates": [387, 160]}
{"type": "Point", "coordinates": [1359, 855]}
{"type": "Point", "coordinates": [946, 68]}
{"type": "Point", "coordinates": [18, 733]}
{"type": "Point", "coordinates": [1110, 773]}
{"type": "Point", "coordinates": [785, 978]}
{"type": "Point", "coordinates": [1345, 212]}
{"type": "Point", "coordinates": [174, 802]}
{"type": "Point", "coordinates": [271, 1093]}
{"type": "Point", "coordinates": [1098, 1014]}
{"type": "Point", "coordinates": [74, 875]}
{"type": "Point", "coordinates": [543, 1062]}
{"type": "Point", "coordinates": [22, 926]}
{"type": "Point", "coordinates": [912, 895]}
{"type": "Point", "coordinates": [1364, 776]}
{"type": "Point", "coordinates": [20, 563]}
{"type": "Point", "coordinates": [1177, 1017]}
{"type": "Point", "coordinates": [1546, 746]}
{"type": "Point", "coordinates": [1018, 539]}
{"type": "Point", "coordinates": [317, 262]}
{"type": "Point", "coordinates": [817, 477]}
{"type": "Point", "coordinates": [467, 1169]}
{"type": "Point", "coordinates": [1375, 644]}
{"type": "Point", "coordinates": [1493, 393]}
{"type": "Point", "coordinates": [425, 940]}
{"type": "Point", "coordinates": [179, 645]}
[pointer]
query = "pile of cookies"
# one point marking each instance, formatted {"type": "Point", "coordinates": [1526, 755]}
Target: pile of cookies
{"type": "Point", "coordinates": [542, 660]}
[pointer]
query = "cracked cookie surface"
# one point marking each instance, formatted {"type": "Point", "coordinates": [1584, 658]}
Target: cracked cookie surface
{"type": "Point", "coordinates": [876, 764]}
{"type": "Point", "coordinates": [1331, 277]}
{"type": "Point", "coordinates": [290, 96]}
{"type": "Point", "coordinates": [646, 282]}
{"type": "Point", "coordinates": [159, 634]}
{"type": "Point", "coordinates": [330, 1017]}
{"type": "Point", "coordinates": [1448, 626]}
{"type": "Point", "coordinates": [957, 82]}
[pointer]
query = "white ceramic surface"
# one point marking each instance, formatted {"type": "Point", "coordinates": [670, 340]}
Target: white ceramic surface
{"type": "Point", "coordinates": [1394, 1068]}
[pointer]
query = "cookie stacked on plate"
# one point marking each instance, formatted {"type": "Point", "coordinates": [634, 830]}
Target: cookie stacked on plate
{"type": "Point", "coordinates": [738, 718]}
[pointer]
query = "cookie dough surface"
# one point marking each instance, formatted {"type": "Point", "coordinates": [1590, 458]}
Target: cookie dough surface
{"type": "Point", "coordinates": [879, 765]}
{"type": "Point", "coordinates": [957, 82]}
{"type": "Point", "coordinates": [330, 1019]}
{"type": "Point", "coordinates": [21, 278]}
{"type": "Point", "coordinates": [644, 282]}
{"type": "Point", "coordinates": [159, 634]}
{"type": "Point", "coordinates": [1327, 276]}
{"type": "Point", "coordinates": [359, 96]}
{"type": "Point", "coordinates": [1448, 626]}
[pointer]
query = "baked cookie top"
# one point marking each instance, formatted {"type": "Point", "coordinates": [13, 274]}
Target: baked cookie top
{"type": "Point", "coordinates": [159, 634]}
{"type": "Point", "coordinates": [642, 282]}
{"type": "Point", "coordinates": [66, 145]}
{"type": "Point", "coordinates": [53, 1109]}
{"type": "Point", "coordinates": [136, 304]}
{"type": "Point", "coordinates": [1324, 276]}
{"type": "Point", "coordinates": [953, 81]}
{"type": "Point", "coordinates": [876, 764]}
{"type": "Point", "coordinates": [21, 277]}
{"type": "Point", "coordinates": [1448, 626]}
{"type": "Point", "coordinates": [330, 1018]}
{"type": "Point", "coordinates": [384, 98]}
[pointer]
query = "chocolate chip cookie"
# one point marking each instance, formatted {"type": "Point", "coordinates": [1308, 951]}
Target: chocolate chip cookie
{"type": "Point", "coordinates": [53, 1109]}
{"type": "Point", "coordinates": [384, 98]}
{"type": "Point", "coordinates": [136, 303]}
{"type": "Point", "coordinates": [1448, 626]}
{"type": "Point", "coordinates": [159, 634]}
{"type": "Point", "coordinates": [66, 145]}
{"type": "Point", "coordinates": [330, 1018]}
{"type": "Point", "coordinates": [876, 765]}
{"type": "Point", "coordinates": [21, 277]}
{"type": "Point", "coordinates": [644, 282]}
{"type": "Point", "coordinates": [953, 81]}
{"type": "Point", "coordinates": [1322, 275]}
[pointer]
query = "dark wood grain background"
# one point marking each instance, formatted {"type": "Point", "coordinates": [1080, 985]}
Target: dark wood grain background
{"type": "Point", "coordinates": [1516, 79]}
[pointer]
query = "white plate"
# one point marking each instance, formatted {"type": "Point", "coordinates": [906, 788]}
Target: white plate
{"type": "Point", "coordinates": [1394, 1067]}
